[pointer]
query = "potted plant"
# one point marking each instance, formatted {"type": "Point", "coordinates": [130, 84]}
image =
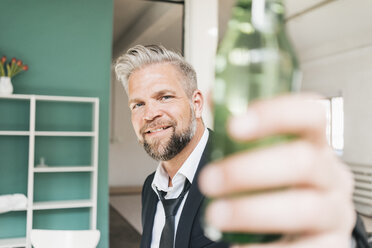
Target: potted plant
{"type": "Point", "coordinates": [7, 71]}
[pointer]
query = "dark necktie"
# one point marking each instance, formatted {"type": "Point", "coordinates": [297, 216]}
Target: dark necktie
{"type": "Point", "coordinates": [170, 208]}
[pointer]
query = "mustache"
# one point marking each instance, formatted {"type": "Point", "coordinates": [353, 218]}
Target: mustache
{"type": "Point", "coordinates": [157, 124]}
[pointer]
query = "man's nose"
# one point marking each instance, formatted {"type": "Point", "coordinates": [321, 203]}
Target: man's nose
{"type": "Point", "coordinates": [151, 112]}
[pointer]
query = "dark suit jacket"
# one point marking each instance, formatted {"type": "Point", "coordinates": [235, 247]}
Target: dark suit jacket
{"type": "Point", "coordinates": [189, 231]}
{"type": "Point", "coordinates": [360, 235]}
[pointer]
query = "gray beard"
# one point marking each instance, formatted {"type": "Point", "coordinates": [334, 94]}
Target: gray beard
{"type": "Point", "coordinates": [174, 146]}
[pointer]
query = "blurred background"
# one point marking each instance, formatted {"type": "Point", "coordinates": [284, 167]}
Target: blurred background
{"type": "Point", "coordinates": [70, 47]}
{"type": "Point", "coordinates": [333, 42]}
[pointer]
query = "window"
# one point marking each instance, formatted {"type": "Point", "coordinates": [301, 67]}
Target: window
{"type": "Point", "coordinates": [334, 107]}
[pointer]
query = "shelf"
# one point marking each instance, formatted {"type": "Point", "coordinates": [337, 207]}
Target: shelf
{"type": "Point", "coordinates": [77, 134]}
{"type": "Point", "coordinates": [19, 209]}
{"type": "Point", "coordinates": [62, 204]}
{"type": "Point", "coordinates": [65, 98]}
{"type": "Point", "coordinates": [51, 98]}
{"type": "Point", "coordinates": [48, 133]}
{"type": "Point", "coordinates": [13, 242]}
{"type": "Point", "coordinates": [42, 127]}
{"type": "Point", "coordinates": [63, 169]}
{"type": "Point", "coordinates": [16, 96]}
{"type": "Point", "coordinates": [15, 133]}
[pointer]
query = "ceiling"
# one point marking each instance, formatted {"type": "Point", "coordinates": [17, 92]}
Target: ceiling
{"type": "Point", "coordinates": [145, 21]}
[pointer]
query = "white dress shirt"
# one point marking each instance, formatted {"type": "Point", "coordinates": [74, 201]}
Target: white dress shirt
{"type": "Point", "coordinates": [160, 182]}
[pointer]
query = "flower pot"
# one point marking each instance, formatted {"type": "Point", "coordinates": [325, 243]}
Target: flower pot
{"type": "Point", "coordinates": [6, 87]}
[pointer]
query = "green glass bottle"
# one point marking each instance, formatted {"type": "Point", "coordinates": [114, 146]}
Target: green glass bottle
{"type": "Point", "coordinates": [255, 60]}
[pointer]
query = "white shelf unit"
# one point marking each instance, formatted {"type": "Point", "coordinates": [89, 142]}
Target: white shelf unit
{"type": "Point", "coordinates": [15, 133]}
{"type": "Point", "coordinates": [62, 204]}
{"type": "Point", "coordinates": [64, 169]}
{"type": "Point", "coordinates": [10, 243]}
{"type": "Point", "coordinates": [92, 168]}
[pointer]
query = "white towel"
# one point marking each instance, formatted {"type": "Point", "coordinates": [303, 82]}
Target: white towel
{"type": "Point", "coordinates": [12, 202]}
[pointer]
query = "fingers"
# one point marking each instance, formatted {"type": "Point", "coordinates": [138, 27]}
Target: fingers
{"type": "Point", "coordinates": [291, 114]}
{"type": "Point", "coordinates": [297, 163]}
{"type": "Point", "coordinates": [313, 189]}
{"type": "Point", "coordinates": [289, 211]}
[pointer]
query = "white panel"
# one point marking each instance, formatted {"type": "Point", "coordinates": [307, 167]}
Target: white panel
{"type": "Point", "coordinates": [338, 26]}
{"type": "Point", "coordinates": [158, 23]}
{"type": "Point", "coordinates": [364, 193]}
{"type": "Point", "coordinates": [363, 187]}
{"type": "Point", "coordinates": [363, 200]}
{"type": "Point", "coordinates": [125, 11]}
{"type": "Point", "coordinates": [361, 169]}
{"type": "Point", "coordinates": [166, 24]}
{"type": "Point", "coordinates": [30, 181]}
{"type": "Point", "coordinates": [69, 134]}
{"type": "Point", "coordinates": [365, 210]}
{"type": "Point", "coordinates": [16, 96]}
{"type": "Point", "coordinates": [62, 204]}
{"type": "Point", "coordinates": [64, 169]}
{"type": "Point", "coordinates": [201, 34]}
{"type": "Point", "coordinates": [348, 73]}
{"type": "Point", "coordinates": [129, 163]}
{"type": "Point", "coordinates": [15, 133]}
{"type": "Point", "coordinates": [13, 242]}
{"type": "Point", "coordinates": [293, 7]}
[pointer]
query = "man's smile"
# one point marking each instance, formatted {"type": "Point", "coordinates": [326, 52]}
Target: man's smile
{"type": "Point", "coordinates": [157, 130]}
{"type": "Point", "coordinates": [154, 130]}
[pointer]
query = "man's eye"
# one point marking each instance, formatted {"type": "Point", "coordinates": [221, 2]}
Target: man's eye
{"type": "Point", "coordinates": [166, 97]}
{"type": "Point", "coordinates": [137, 105]}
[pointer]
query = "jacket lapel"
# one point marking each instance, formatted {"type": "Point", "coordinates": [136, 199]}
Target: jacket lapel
{"type": "Point", "coordinates": [192, 205]}
{"type": "Point", "coordinates": [149, 203]}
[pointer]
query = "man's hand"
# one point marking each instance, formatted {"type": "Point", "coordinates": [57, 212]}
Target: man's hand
{"type": "Point", "coordinates": [315, 200]}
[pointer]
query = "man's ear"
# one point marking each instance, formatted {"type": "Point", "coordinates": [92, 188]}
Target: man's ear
{"type": "Point", "coordinates": [198, 101]}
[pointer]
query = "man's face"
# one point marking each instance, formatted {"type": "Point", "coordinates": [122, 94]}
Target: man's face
{"type": "Point", "coordinates": [162, 116]}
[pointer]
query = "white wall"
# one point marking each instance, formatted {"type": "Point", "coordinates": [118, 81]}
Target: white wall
{"type": "Point", "coordinates": [349, 73]}
{"type": "Point", "coordinates": [160, 23]}
{"type": "Point", "coordinates": [156, 23]}
{"type": "Point", "coordinates": [129, 163]}
{"type": "Point", "coordinates": [201, 36]}
{"type": "Point", "coordinates": [335, 46]}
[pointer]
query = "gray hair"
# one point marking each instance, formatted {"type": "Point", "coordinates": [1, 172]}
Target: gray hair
{"type": "Point", "coordinates": [140, 56]}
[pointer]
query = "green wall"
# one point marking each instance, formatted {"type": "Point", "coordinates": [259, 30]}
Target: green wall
{"type": "Point", "coordinates": [67, 45]}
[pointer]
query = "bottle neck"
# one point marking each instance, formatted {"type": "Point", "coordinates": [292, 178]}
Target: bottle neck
{"type": "Point", "coordinates": [245, 4]}
{"type": "Point", "coordinates": [267, 16]}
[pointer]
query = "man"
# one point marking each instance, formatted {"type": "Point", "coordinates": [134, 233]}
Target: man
{"type": "Point", "coordinates": [166, 113]}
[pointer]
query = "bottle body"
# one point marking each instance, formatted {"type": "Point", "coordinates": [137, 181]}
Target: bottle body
{"type": "Point", "coordinates": [254, 61]}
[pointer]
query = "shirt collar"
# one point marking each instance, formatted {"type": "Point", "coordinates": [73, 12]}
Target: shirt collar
{"type": "Point", "coordinates": [187, 170]}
